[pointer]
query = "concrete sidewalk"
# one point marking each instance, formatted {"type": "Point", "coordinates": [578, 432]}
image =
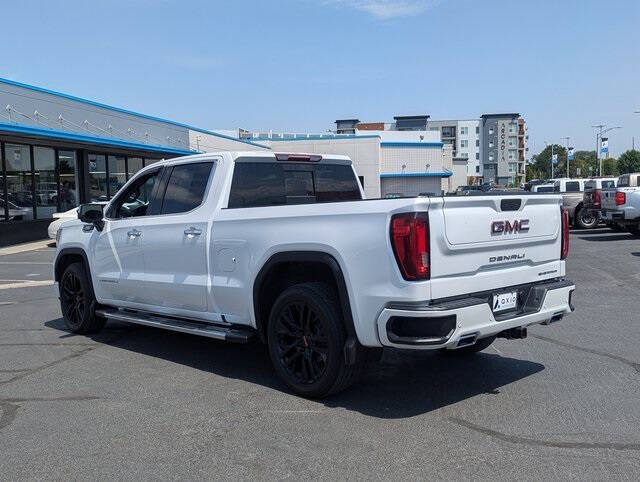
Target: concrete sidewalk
{"type": "Point", "coordinates": [21, 248]}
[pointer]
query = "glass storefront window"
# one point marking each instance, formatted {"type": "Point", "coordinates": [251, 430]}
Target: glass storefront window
{"type": "Point", "coordinates": [19, 182]}
{"type": "Point", "coordinates": [134, 164]}
{"type": "Point", "coordinates": [44, 163]}
{"type": "Point", "coordinates": [68, 180]}
{"type": "Point", "coordinates": [117, 174]}
{"type": "Point", "coordinates": [97, 177]}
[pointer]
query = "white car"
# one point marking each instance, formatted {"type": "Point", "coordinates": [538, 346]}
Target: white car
{"type": "Point", "coordinates": [58, 219]}
{"type": "Point", "coordinates": [16, 213]}
{"type": "Point", "coordinates": [542, 188]}
{"type": "Point", "coordinates": [283, 248]}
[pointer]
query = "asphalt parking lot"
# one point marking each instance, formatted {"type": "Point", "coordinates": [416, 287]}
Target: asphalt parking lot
{"type": "Point", "coordinates": [135, 402]}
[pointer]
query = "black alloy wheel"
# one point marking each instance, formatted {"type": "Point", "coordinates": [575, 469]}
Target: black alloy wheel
{"type": "Point", "coordinates": [73, 299]}
{"type": "Point", "coordinates": [302, 342]}
{"type": "Point", "coordinates": [306, 337]}
{"type": "Point", "coordinates": [78, 302]}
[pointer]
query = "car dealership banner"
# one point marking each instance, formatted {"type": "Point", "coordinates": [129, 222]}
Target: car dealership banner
{"type": "Point", "coordinates": [570, 154]}
{"type": "Point", "coordinates": [604, 145]}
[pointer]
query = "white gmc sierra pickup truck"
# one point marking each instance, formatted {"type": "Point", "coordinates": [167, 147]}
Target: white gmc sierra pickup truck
{"type": "Point", "coordinates": [284, 248]}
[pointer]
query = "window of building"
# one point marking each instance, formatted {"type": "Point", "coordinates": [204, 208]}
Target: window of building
{"type": "Point", "coordinates": [477, 130]}
{"type": "Point", "coordinates": [513, 155]}
{"type": "Point", "coordinates": [464, 143]}
{"type": "Point", "coordinates": [490, 130]}
{"type": "Point", "coordinates": [490, 144]}
{"type": "Point", "coordinates": [477, 142]}
{"type": "Point", "coordinates": [477, 169]}
{"type": "Point", "coordinates": [513, 142]}
{"type": "Point", "coordinates": [97, 177]}
{"type": "Point", "coordinates": [117, 174]}
{"type": "Point", "coordinates": [512, 129]}
{"type": "Point", "coordinates": [464, 155]}
{"type": "Point", "coordinates": [512, 167]}
{"type": "Point", "coordinates": [134, 164]}
{"type": "Point", "coordinates": [19, 182]}
{"type": "Point", "coordinates": [477, 156]}
{"type": "Point", "coordinates": [490, 157]}
{"type": "Point", "coordinates": [464, 131]}
{"type": "Point", "coordinates": [186, 187]}
{"type": "Point", "coordinates": [46, 187]}
{"type": "Point", "coordinates": [67, 167]}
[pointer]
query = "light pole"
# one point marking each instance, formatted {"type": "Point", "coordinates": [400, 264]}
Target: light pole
{"type": "Point", "coordinates": [546, 143]}
{"type": "Point", "coordinates": [633, 138]}
{"type": "Point", "coordinates": [567, 139]}
{"type": "Point", "coordinates": [601, 131]}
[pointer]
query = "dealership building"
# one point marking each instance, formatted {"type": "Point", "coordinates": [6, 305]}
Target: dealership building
{"type": "Point", "coordinates": [58, 151]}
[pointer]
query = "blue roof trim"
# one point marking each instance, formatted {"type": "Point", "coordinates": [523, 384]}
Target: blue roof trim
{"type": "Point", "coordinates": [320, 138]}
{"type": "Point", "coordinates": [444, 173]}
{"type": "Point", "coordinates": [54, 134]}
{"type": "Point", "coordinates": [122, 111]}
{"type": "Point", "coordinates": [411, 144]}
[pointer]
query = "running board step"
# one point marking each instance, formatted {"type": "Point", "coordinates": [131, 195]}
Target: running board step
{"type": "Point", "coordinates": [233, 334]}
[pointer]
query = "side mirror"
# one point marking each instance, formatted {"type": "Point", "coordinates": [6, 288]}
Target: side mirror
{"type": "Point", "coordinates": [92, 214]}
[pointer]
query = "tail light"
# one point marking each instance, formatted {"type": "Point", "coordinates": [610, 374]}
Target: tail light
{"type": "Point", "coordinates": [597, 197]}
{"type": "Point", "coordinates": [621, 198]}
{"type": "Point", "coordinates": [564, 250]}
{"type": "Point", "coordinates": [410, 242]}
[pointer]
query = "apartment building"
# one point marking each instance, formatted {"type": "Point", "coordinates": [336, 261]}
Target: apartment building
{"type": "Point", "coordinates": [464, 137]}
{"type": "Point", "coordinates": [504, 145]}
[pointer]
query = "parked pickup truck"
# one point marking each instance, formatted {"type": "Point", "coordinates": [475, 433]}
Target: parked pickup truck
{"type": "Point", "coordinates": [572, 193]}
{"type": "Point", "coordinates": [283, 248]}
{"type": "Point", "coordinates": [621, 205]}
{"type": "Point", "coordinates": [592, 200]}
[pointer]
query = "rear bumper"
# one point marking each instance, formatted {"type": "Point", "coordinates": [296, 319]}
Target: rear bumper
{"type": "Point", "coordinates": [546, 302]}
{"type": "Point", "coordinates": [625, 214]}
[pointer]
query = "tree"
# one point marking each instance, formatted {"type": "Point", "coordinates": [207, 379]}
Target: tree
{"type": "Point", "coordinates": [541, 163]}
{"type": "Point", "coordinates": [629, 161]}
{"type": "Point", "coordinates": [609, 167]}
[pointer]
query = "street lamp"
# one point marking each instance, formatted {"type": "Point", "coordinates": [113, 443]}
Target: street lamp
{"type": "Point", "coordinates": [601, 131]}
{"type": "Point", "coordinates": [546, 143]}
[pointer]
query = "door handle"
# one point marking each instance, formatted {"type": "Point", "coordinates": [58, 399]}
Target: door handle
{"type": "Point", "coordinates": [134, 233]}
{"type": "Point", "coordinates": [192, 232]}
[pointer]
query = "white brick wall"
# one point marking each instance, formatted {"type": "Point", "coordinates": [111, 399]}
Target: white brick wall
{"type": "Point", "coordinates": [415, 159]}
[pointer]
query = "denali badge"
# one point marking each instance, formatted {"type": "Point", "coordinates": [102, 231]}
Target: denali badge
{"type": "Point", "coordinates": [506, 257]}
{"type": "Point", "coordinates": [508, 227]}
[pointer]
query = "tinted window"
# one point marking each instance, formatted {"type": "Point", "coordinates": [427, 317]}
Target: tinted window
{"type": "Point", "coordinates": [623, 181]}
{"type": "Point", "coordinates": [269, 184]}
{"type": "Point", "coordinates": [545, 189]}
{"type": "Point", "coordinates": [186, 186]}
{"type": "Point", "coordinates": [135, 200]}
{"type": "Point", "coordinates": [606, 184]}
{"type": "Point", "coordinates": [592, 185]}
{"type": "Point", "coordinates": [336, 183]}
{"type": "Point", "coordinates": [573, 186]}
{"type": "Point", "coordinates": [257, 184]}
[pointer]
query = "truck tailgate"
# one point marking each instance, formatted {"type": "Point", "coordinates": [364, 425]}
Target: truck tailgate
{"type": "Point", "coordinates": [494, 241]}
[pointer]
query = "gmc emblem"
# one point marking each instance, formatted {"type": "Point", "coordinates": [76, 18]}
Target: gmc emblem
{"type": "Point", "coordinates": [508, 227]}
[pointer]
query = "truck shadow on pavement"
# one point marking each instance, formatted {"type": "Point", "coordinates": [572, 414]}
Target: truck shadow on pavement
{"type": "Point", "coordinates": [403, 384]}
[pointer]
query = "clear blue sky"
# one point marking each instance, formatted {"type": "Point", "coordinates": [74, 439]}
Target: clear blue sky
{"type": "Point", "coordinates": [297, 65]}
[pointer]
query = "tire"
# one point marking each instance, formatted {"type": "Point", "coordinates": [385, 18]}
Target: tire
{"type": "Point", "coordinates": [77, 301]}
{"type": "Point", "coordinates": [306, 339]}
{"type": "Point", "coordinates": [585, 220]}
{"type": "Point", "coordinates": [475, 348]}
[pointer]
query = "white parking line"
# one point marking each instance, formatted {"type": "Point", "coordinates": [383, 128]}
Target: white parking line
{"type": "Point", "coordinates": [24, 284]}
{"type": "Point", "coordinates": [26, 262]}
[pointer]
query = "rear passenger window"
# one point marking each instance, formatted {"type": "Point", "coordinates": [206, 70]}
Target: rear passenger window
{"type": "Point", "coordinates": [185, 188]}
{"type": "Point", "coordinates": [573, 186]}
{"type": "Point", "coordinates": [608, 184]}
{"type": "Point", "coordinates": [269, 184]}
